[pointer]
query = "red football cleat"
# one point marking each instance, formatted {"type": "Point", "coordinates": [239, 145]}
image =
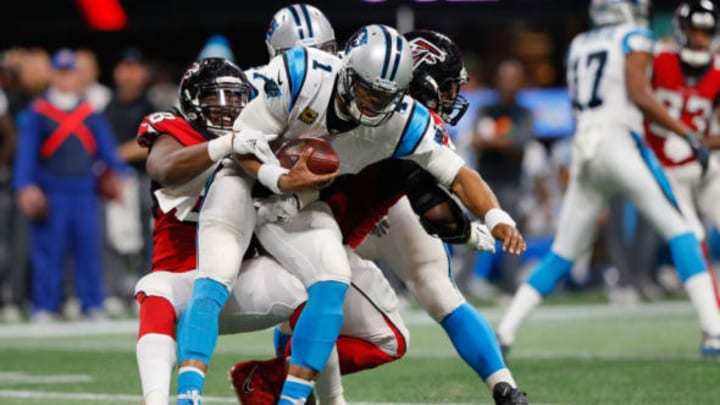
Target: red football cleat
{"type": "Point", "coordinates": [259, 382]}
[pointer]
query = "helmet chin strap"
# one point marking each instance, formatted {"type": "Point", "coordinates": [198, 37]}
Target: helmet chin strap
{"type": "Point", "coordinates": [695, 58]}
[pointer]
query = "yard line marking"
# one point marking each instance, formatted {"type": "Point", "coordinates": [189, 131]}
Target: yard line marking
{"type": "Point", "coordinates": [82, 396]}
{"type": "Point", "coordinates": [16, 377]}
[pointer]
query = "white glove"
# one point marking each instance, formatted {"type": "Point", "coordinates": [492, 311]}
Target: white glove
{"type": "Point", "coordinates": [481, 238]}
{"type": "Point", "coordinates": [382, 228]}
{"type": "Point", "coordinates": [277, 209]}
{"type": "Point", "coordinates": [254, 143]}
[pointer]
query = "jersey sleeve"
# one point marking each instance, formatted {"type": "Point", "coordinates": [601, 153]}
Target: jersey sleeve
{"type": "Point", "coordinates": [422, 142]}
{"type": "Point", "coordinates": [156, 124]}
{"type": "Point", "coordinates": [638, 40]}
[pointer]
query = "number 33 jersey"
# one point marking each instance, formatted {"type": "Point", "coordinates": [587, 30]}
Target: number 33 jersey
{"type": "Point", "coordinates": [596, 76]}
{"type": "Point", "coordinates": [687, 99]}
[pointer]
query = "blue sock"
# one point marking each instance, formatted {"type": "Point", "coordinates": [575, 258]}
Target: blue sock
{"type": "Point", "coordinates": [198, 327]}
{"type": "Point", "coordinates": [553, 268]}
{"type": "Point", "coordinates": [319, 324]}
{"type": "Point", "coordinates": [294, 390]}
{"type": "Point", "coordinates": [190, 385]}
{"type": "Point", "coordinates": [280, 340]}
{"type": "Point", "coordinates": [687, 255]}
{"type": "Point", "coordinates": [474, 340]}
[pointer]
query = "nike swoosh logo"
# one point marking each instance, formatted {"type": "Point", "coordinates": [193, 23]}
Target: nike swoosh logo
{"type": "Point", "coordinates": [246, 388]}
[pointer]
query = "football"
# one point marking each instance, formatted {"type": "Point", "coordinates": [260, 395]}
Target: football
{"type": "Point", "coordinates": [323, 159]}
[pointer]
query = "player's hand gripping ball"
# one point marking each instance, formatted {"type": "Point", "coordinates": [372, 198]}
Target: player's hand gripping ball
{"type": "Point", "coordinates": [323, 159]}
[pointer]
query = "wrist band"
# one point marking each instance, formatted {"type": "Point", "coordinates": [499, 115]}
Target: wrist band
{"type": "Point", "coordinates": [269, 176]}
{"type": "Point", "coordinates": [220, 147]}
{"type": "Point", "coordinates": [497, 216]}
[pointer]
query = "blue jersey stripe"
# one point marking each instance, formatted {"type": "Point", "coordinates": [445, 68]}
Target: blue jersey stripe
{"type": "Point", "coordinates": [307, 20]}
{"type": "Point", "coordinates": [388, 45]}
{"type": "Point", "coordinates": [296, 69]}
{"type": "Point", "coordinates": [296, 18]}
{"type": "Point", "coordinates": [416, 126]}
{"type": "Point", "coordinates": [641, 32]}
{"type": "Point", "coordinates": [656, 169]}
{"type": "Point", "coordinates": [398, 53]}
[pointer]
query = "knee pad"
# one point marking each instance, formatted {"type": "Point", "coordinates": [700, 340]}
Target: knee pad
{"type": "Point", "coordinates": [319, 325]}
{"type": "Point", "coordinates": [176, 288]}
{"type": "Point", "coordinates": [549, 272]}
{"type": "Point", "coordinates": [687, 255]}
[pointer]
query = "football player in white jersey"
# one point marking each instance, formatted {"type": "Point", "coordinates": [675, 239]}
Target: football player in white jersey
{"type": "Point", "coordinates": [607, 73]}
{"type": "Point", "coordinates": [358, 104]}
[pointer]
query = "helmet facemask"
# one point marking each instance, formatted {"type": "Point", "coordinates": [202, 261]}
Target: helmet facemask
{"type": "Point", "coordinates": [369, 104]}
{"type": "Point", "coordinates": [452, 104]}
{"type": "Point", "coordinates": [693, 28]}
{"type": "Point", "coordinates": [217, 104]}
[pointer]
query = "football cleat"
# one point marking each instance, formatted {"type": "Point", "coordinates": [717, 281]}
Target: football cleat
{"type": "Point", "coordinates": [189, 398]}
{"type": "Point", "coordinates": [259, 382]}
{"type": "Point", "coordinates": [504, 394]}
{"type": "Point", "coordinates": [710, 346]}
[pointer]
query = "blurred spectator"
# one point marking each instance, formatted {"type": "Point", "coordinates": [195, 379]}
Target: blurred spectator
{"type": "Point", "coordinates": [163, 89]}
{"type": "Point", "coordinates": [502, 132]}
{"type": "Point", "coordinates": [97, 93]}
{"type": "Point", "coordinates": [59, 142]}
{"type": "Point", "coordinates": [128, 222]}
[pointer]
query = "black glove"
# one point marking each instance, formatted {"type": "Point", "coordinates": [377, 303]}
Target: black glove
{"type": "Point", "coordinates": [700, 151]}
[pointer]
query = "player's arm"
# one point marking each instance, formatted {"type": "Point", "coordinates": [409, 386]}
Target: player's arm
{"type": "Point", "coordinates": [640, 92]}
{"type": "Point", "coordinates": [171, 163]}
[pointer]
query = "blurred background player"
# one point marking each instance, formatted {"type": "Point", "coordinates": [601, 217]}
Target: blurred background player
{"type": "Point", "coordinates": [56, 183]}
{"type": "Point", "coordinates": [608, 79]}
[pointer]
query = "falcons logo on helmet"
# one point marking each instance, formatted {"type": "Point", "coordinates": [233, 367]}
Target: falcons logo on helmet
{"type": "Point", "coordinates": [424, 51]}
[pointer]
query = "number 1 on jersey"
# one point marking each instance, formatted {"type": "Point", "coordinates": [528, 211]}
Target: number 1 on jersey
{"type": "Point", "coordinates": [594, 64]}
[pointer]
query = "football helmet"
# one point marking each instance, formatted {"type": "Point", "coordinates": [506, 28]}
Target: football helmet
{"type": "Point", "coordinates": [438, 74]}
{"type": "Point", "coordinates": [299, 25]}
{"type": "Point", "coordinates": [611, 12]}
{"type": "Point", "coordinates": [375, 75]}
{"type": "Point", "coordinates": [213, 92]}
{"type": "Point", "coordinates": [699, 15]}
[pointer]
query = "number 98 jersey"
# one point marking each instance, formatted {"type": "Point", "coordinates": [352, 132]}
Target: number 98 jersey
{"type": "Point", "coordinates": [596, 76]}
{"type": "Point", "coordinates": [691, 101]}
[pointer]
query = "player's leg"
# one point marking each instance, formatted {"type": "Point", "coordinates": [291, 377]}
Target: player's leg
{"type": "Point", "coordinates": [162, 296]}
{"type": "Point", "coordinates": [310, 246]}
{"type": "Point", "coordinates": [650, 190]}
{"type": "Point", "coordinates": [708, 195]}
{"type": "Point", "coordinates": [581, 208]}
{"type": "Point", "coordinates": [423, 262]}
{"type": "Point", "coordinates": [225, 226]}
{"type": "Point", "coordinates": [85, 240]}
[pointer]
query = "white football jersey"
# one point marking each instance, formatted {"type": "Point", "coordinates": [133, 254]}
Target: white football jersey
{"type": "Point", "coordinates": [299, 104]}
{"type": "Point", "coordinates": [596, 75]}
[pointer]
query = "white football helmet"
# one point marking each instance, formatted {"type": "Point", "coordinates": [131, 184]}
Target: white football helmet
{"type": "Point", "coordinates": [611, 12]}
{"type": "Point", "coordinates": [299, 25]}
{"type": "Point", "coordinates": [376, 73]}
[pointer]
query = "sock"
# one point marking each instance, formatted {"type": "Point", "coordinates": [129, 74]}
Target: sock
{"type": "Point", "coordinates": [199, 326]}
{"type": "Point", "coordinates": [474, 340]}
{"type": "Point", "coordinates": [525, 300]}
{"type": "Point", "coordinates": [190, 382]}
{"type": "Point", "coordinates": [502, 375]}
{"type": "Point", "coordinates": [711, 270]}
{"type": "Point", "coordinates": [156, 356]}
{"type": "Point", "coordinates": [295, 391]}
{"type": "Point", "coordinates": [280, 340]}
{"type": "Point", "coordinates": [699, 289]}
{"type": "Point", "coordinates": [329, 388]}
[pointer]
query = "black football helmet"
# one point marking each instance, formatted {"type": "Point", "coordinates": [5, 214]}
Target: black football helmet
{"type": "Point", "coordinates": [700, 15]}
{"type": "Point", "coordinates": [438, 74]}
{"type": "Point", "coordinates": [213, 92]}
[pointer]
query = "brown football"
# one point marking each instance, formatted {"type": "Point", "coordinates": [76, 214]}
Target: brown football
{"type": "Point", "coordinates": [323, 160]}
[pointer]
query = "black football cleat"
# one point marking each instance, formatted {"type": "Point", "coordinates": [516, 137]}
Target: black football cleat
{"type": "Point", "coordinates": [504, 394]}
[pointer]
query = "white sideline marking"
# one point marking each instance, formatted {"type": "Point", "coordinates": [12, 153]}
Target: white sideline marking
{"type": "Point", "coordinates": [81, 396]}
{"type": "Point", "coordinates": [585, 312]}
{"type": "Point", "coordinates": [15, 377]}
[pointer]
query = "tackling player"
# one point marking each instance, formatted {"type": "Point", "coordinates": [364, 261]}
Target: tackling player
{"type": "Point", "coordinates": [607, 73]}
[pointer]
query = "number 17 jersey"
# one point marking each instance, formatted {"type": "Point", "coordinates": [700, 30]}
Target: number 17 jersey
{"type": "Point", "coordinates": [596, 76]}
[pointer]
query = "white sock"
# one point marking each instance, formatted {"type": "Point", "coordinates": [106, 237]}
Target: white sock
{"type": "Point", "coordinates": [525, 300]}
{"type": "Point", "coordinates": [699, 289]}
{"type": "Point", "coordinates": [329, 386]}
{"type": "Point", "coordinates": [156, 356]}
{"type": "Point", "coordinates": [502, 375]}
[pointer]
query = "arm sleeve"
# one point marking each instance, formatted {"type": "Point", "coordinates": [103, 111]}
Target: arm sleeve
{"type": "Point", "coordinates": [28, 150]}
{"type": "Point", "coordinates": [107, 147]}
{"type": "Point", "coordinates": [638, 40]}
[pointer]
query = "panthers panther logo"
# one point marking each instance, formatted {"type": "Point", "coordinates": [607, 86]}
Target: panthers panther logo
{"type": "Point", "coordinates": [426, 52]}
{"type": "Point", "coordinates": [360, 38]}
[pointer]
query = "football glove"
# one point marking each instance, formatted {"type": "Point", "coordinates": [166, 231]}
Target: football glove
{"type": "Point", "coordinates": [254, 143]}
{"type": "Point", "coordinates": [277, 209]}
{"type": "Point", "coordinates": [699, 150]}
{"type": "Point", "coordinates": [481, 238]}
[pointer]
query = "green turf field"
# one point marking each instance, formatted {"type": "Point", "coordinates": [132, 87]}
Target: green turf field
{"type": "Point", "coordinates": [566, 354]}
